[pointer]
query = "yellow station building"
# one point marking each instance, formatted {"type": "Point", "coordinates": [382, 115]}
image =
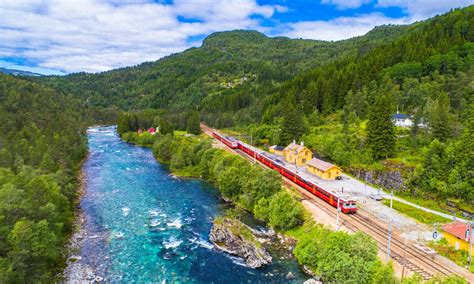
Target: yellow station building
{"type": "Point", "coordinates": [455, 234]}
{"type": "Point", "coordinates": [324, 169]}
{"type": "Point", "coordinates": [297, 154]}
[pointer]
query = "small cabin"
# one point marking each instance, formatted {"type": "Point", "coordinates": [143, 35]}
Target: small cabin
{"type": "Point", "coordinates": [277, 150]}
{"type": "Point", "coordinates": [324, 169]}
{"type": "Point", "coordinates": [151, 130]}
{"type": "Point", "coordinates": [297, 154]}
{"type": "Point", "coordinates": [457, 235]}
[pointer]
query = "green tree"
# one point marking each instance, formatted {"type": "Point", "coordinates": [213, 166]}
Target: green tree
{"type": "Point", "coordinates": [284, 212]}
{"type": "Point", "coordinates": [229, 182]}
{"type": "Point", "coordinates": [33, 250]}
{"type": "Point", "coordinates": [261, 210]}
{"type": "Point", "coordinates": [346, 258]}
{"type": "Point", "coordinates": [380, 129]}
{"type": "Point", "coordinates": [166, 127]}
{"type": "Point", "coordinates": [293, 124]}
{"type": "Point", "coordinates": [193, 123]}
{"type": "Point", "coordinates": [440, 118]}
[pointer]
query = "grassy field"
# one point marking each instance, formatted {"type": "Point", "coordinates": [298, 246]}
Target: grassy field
{"type": "Point", "coordinates": [415, 213]}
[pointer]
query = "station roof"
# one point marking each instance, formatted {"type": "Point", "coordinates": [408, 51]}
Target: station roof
{"type": "Point", "coordinates": [457, 229]}
{"type": "Point", "coordinates": [320, 164]}
{"type": "Point", "coordinates": [278, 148]}
{"type": "Point", "coordinates": [293, 146]}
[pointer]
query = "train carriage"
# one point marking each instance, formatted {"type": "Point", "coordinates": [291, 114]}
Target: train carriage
{"type": "Point", "coordinates": [228, 141]}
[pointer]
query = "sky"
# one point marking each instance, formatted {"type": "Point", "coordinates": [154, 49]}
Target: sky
{"type": "Point", "coordinates": [61, 37]}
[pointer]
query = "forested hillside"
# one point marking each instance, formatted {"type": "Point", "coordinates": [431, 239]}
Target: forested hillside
{"type": "Point", "coordinates": [337, 96]}
{"type": "Point", "coordinates": [42, 144]}
{"type": "Point", "coordinates": [230, 68]}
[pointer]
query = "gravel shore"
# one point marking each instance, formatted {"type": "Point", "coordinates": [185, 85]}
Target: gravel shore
{"type": "Point", "coordinates": [77, 271]}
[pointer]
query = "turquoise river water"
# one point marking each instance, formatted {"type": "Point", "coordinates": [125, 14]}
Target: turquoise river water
{"type": "Point", "coordinates": [145, 225]}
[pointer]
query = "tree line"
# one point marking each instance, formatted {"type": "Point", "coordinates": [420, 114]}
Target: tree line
{"type": "Point", "coordinates": [42, 145]}
{"type": "Point", "coordinates": [163, 121]}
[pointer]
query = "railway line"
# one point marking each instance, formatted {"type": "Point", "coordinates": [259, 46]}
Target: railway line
{"type": "Point", "coordinates": [412, 258]}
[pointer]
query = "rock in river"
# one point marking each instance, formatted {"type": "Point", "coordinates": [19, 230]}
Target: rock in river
{"type": "Point", "coordinates": [236, 238]}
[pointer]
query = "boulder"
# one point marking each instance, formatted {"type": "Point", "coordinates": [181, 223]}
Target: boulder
{"type": "Point", "coordinates": [234, 237]}
{"type": "Point", "coordinates": [290, 276]}
{"type": "Point", "coordinates": [312, 281]}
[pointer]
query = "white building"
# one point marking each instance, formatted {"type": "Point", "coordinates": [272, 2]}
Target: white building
{"type": "Point", "coordinates": [402, 120]}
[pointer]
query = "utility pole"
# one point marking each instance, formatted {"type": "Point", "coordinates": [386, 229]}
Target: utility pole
{"type": "Point", "coordinates": [365, 185]}
{"type": "Point", "coordinates": [390, 227]}
{"type": "Point", "coordinates": [337, 215]}
{"type": "Point", "coordinates": [404, 259]}
{"type": "Point", "coordinates": [469, 257]}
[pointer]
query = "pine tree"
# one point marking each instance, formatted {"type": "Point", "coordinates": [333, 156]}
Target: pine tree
{"type": "Point", "coordinates": [440, 118]}
{"type": "Point", "coordinates": [192, 123]}
{"type": "Point", "coordinates": [293, 125]}
{"type": "Point", "coordinates": [380, 129]}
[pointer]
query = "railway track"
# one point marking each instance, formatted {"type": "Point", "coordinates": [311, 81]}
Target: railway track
{"type": "Point", "coordinates": [412, 258]}
{"type": "Point", "coordinates": [380, 236]}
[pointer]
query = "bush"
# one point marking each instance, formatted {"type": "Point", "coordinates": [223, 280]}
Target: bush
{"type": "Point", "coordinates": [284, 213]}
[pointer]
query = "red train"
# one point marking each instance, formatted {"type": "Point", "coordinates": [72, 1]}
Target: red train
{"type": "Point", "coordinates": [227, 140]}
{"type": "Point", "coordinates": [346, 205]}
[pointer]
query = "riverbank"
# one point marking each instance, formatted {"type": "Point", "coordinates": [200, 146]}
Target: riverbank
{"type": "Point", "coordinates": [75, 270]}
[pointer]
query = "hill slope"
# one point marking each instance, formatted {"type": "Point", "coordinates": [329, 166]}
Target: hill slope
{"type": "Point", "coordinates": [41, 149]}
{"type": "Point", "coordinates": [225, 60]}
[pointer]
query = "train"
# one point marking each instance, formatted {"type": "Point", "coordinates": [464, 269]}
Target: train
{"type": "Point", "coordinates": [346, 205]}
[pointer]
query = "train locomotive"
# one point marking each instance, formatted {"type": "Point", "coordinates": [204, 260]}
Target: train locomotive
{"type": "Point", "coordinates": [346, 205]}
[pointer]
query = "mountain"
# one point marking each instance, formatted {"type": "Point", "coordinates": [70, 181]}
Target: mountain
{"type": "Point", "coordinates": [225, 61]}
{"type": "Point", "coordinates": [235, 76]}
{"type": "Point", "coordinates": [18, 72]}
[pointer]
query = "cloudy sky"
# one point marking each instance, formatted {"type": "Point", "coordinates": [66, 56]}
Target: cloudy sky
{"type": "Point", "coordinates": [64, 36]}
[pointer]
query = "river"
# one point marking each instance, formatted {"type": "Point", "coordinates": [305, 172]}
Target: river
{"type": "Point", "coordinates": [144, 225]}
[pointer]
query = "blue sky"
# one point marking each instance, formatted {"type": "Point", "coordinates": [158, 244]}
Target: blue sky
{"type": "Point", "coordinates": [64, 36]}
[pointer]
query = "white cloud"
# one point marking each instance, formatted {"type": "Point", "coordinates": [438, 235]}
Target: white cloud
{"type": "Point", "coordinates": [422, 9]}
{"type": "Point", "coordinates": [94, 35]}
{"type": "Point", "coordinates": [98, 35]}
{"type": "Point", "coordinates": [346, 4]}
{"type": "Point", "coordinates": [339, 28]}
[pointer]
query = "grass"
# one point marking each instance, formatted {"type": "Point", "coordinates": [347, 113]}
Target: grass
{"type": "Point", "coordinates": [415, 213]}
{"type": "Point", "coordinates": [435, 203]}
{"type": "Point", "coordinates": [238, 229]}
{"type": "Point", "coordinates": [187, 172]}
{"type": "Point", "coordinates": [458, 256]}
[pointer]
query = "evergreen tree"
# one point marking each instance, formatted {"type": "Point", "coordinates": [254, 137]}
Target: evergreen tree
{"type": "Point", "coordinates": [166, 127]}
{"type": "Point", "coordinates": [380, 129]}
{"type": "Point", "coordinates": [193, 123]}
{"type": "Point", "coordinates": [440, 118]}
{"type": "Point", "coordinates": [293, 124]}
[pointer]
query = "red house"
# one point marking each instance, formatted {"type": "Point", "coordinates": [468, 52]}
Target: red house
{"type": "Point", "coordinates": [151, 130]}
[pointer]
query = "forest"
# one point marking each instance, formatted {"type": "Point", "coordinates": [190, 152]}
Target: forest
{"type": "Point", "coordinates": [42, 146]}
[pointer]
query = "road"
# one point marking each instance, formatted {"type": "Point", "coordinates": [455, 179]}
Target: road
{"type": "Point", "coordinates": [416, 259]}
